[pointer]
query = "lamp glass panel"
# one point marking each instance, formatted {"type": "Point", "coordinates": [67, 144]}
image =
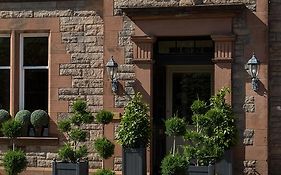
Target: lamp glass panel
{"type": "Point", "coordinates": [254, 70]}
{"type": "Point", "coordinates": [110, 72]}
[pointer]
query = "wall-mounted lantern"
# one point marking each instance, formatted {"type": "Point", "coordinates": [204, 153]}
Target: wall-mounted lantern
{"type": "Point", "coordinates": [252, 67]}
{"type": "Point", "coordinates": [112, 68]}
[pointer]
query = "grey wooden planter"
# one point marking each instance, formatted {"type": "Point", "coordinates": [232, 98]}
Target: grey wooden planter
{"type": "Point", "coordinates": [68, 168]}
{"type": "Point", "coordinates": [201, 170]}
{"type": "Point", "coordinates": [134, 161]}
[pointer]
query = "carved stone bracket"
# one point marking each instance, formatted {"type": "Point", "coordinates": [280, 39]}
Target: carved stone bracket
{"type": "Point", "coordinates": [143, 49]}
{"type": "Point", "coordinates": [223, 47]}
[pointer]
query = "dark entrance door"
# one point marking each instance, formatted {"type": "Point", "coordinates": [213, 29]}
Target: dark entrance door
{"type": "Point", "coordinates": [182, 72]}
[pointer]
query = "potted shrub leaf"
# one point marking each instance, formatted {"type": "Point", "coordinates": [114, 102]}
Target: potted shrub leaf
{"type": "Point", "coordinates": [174, 163]}
{"type": "Point", "coordinates": [73, 153]}
{"type": "Point", "coordinates": [23, 116]}
{"type": "Point", "coordinates": [103, 146]}
{"type": "Point", "coordinates": [39, 120]}
{"type": "Point", "coordinates": [215, 132]}
{"type": "Point", "coordinates": [134, 135]}
{"type": "Point", "coordinates": [14, 161]}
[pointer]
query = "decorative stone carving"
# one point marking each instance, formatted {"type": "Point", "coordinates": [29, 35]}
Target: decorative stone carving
{"type": "Point", "coordinates": [143, 47]}
{"type": "Point", "coordinates": [250, 167]}
{"type": "Point", "coordinates": [249, 105]}
{"type": "Point", "coordinates": [248, 137]}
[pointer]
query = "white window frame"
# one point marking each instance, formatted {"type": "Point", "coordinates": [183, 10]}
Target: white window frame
{"type": "Point", "coordinates": [23, 68]}
{"type": "Point", "coordinates": [7, 67]}
{"type": "Point", "coordinates": [6, 36]}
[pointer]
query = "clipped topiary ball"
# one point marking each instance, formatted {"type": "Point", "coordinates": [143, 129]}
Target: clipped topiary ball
{"type": "Point", "coordinates": [79, 106]}
{"type": "Point", "coordinates": [104, 147]}
{"type": "Point", "coordinates": [174, 165]}
{"type": "Point", "coordinates": [11, 128]}
{"type": "Point", "coordinates": [175, 126]}
{"type": "Point", "coordinates": [14, 162]}
{"type": "Point", "coordinates": [104, 117]}
{"type": "Point", "coordinates": [23, 116]}
{"type": "Point", "coordinates": [39, 118]}
{"type": "Point", "coordinates": [104, 172]}
{"type": "Point", "coordinates": [4, 115]}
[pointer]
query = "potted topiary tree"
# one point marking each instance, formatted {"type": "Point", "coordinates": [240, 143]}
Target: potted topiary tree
{"type": "Point", "coordinates": [23, 116]}
{"type": "Point", "coordinates": [215, 132]}
{"type": "Point", "coordinates": [4, 116]}
{"type": "Point", "coordinates": [103, 146]}
{"type": "Point", "coordinates": [174, 163]}
{"type": "Point", "coordinates": [14, 160]}
{"type": "Point", "coordinates": [39, 120]}
{"type": "Point", "coordinates": [74, 151]}
{"type": "Point", "coordinates": [134, 135]}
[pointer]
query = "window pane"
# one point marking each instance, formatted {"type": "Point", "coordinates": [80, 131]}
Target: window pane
{"type": "Point", "coordinates": [36, 89]}
{"type": "Point", "coordinates": [5, 89]}
{"type": "Point", "coordinates": [4, 51]}
{"type": "Point", "coordinates": [35, 51]}
{"type": "Point", "coordinates": [188, 87]}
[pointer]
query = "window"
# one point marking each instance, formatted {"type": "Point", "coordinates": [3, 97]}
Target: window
{"type": "Point", "coordinates": [30, 69]}
{"type": "Point", "coordinates": [5, 72]}
{"type": "Point", "coordinates": [34, 72]}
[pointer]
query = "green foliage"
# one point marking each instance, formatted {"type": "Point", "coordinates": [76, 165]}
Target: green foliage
{"type": "Point", "coordinates": [64, 125]}
{"type": "Point", "coordinates": [14, 162]}
{"type": "Point", "coordinates": [4, 115]}
{"type": "Point", "coordinates": [134, 130]}
{"type": "Point", "coordinates": [104, 147]}
{"type": "Point", "coordinates": [215, 130]}
{"type": "Point", "coordinates": [174, 165]}
{"type": "Point", "coordinates": [11, 128]}
{"type": "Point", "coordinates": [175, 126]}
{"type": "Point", "coordinates": [104, 117]}
{"type": "Point", "coordinates": [74, 149]}
{"type": "Point", "coordinates": [39, 118]}
{"type": "Point", "coordinates": [104, 172]}
{"type": "Point", "coordinates": [77, 135]}
{"type": "Point", "coordinates": [23, 116]}
{"type": "Point", "coordinates": [79, 106]}
{"type": "Point", "coordinates": [68, 153]}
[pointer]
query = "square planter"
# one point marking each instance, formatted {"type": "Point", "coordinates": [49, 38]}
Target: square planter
{"type": "Point", "coordinates": [201, 170]}
{"type": "Point", "coordinates": [134, 161]}
{"type": "Point", "coordinates": [68, 168]}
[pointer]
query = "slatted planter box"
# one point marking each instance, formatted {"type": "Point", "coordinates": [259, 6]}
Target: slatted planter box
{"type": "Point", "coordinates": [67, 168]}
{"type": "Point", "coordinates": [134, 161]}
{"type": "Point", "coordinates": [201, 170]}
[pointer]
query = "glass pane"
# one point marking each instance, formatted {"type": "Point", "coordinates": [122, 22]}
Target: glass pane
{"type": "Point", "coordinates": [188, 87]}
{"type": "Point", "coordinates": [35, 51]}
{"type": "Point", "coordinates": [36, 89]}
{"type": "Point", "coordinates": [4, 51]}
{"type": "Point", "coordinates": [5, 89]}
{"type": "Point", "coordinates": [166, 46]}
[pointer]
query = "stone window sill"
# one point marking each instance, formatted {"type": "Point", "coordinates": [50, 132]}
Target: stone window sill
{"type": "Point", "coordinates": [22, 141]}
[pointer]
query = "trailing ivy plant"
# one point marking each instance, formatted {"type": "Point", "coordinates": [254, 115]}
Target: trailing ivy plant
{"type": "Point", "coordinates": [134, 129]}
{"type": "Point", "coordinates": [215, 130]}
{"type": "Point", "coordinates": [74, 149]}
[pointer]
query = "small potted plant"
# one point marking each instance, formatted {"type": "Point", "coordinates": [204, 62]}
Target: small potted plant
{"type": "Point", "coordinates": [215, 132]}
{"type": "Point", "coordinates": [103, 146]}
{"type": "Point", "coordinates": [14, 160]}
{"type": "Point", "coordinates": [23, 116]}
{"type": "Point", "coordinates": [73, 153]}
{"type": "Point", "coordinates": [39, 120]}
{"type": "Point", "coordinates": [174, 163]}
{"type": "Point", "coordinates": [134, 135]}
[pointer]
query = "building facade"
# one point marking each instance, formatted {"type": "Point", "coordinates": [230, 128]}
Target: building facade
{"type": "Point", "coordinates": [54, 52]}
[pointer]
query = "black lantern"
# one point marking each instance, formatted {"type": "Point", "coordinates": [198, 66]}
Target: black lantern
{"type": "Point", "coordinates": [112, 67]}
{"type": "Point", "coordinates": [252, 67]}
